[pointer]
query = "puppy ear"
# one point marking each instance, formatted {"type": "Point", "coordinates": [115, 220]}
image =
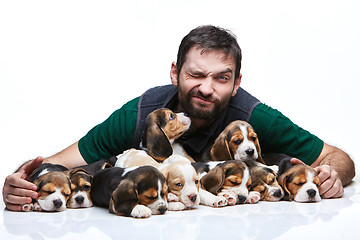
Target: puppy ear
{"type": "Point", "coordinates": [124, 198]}
{"type": "Point", "coordinates": [258, 149]}
{"type": "Point", "coordinates": [213, 180]}
{"type": "Point", "coordinates": [157, 143]}
{"type": "Point", "coordinates": [76, 170]}
{"type": "Point", "coordinates": [221, 150]}
{"type": "Point", "coordinates": [283, 181]}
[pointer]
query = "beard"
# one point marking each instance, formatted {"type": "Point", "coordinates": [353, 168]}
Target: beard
{"type": "Point", "coordinates": [202, 111]}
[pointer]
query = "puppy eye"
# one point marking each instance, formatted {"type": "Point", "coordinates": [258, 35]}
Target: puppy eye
{"type": "Point", "coordinates": [178, 184]}
{"type": "Point", "coordinates": [237, 142]}
{"type": "Point", "coordinates": [299, 184]}
{"type": "Point", "coordinates": [86, 187]}
{"type": "Point", "coordinates": [233, 182]}
{"type": "Point", "coordinates": [49, 192]}
{"type": "Point", "coordinates": [196, 181]}
{"type": "Point", "coordinates": [150, 197]}
{"type": "Point", "coordinates": [253, 139]}
{"type": "Point", "coordinates": [66, 195]}
{"type": "Point", "coordinates": [172, 116]}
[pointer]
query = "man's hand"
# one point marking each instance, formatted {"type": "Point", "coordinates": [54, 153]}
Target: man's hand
{"type": "Point", "coordinates": [330, 183]}
{"type": "Point", "coordinates": [17, 191]}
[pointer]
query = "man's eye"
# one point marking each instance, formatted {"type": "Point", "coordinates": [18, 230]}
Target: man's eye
{"type": "Point", "coordinates": [223, 78]}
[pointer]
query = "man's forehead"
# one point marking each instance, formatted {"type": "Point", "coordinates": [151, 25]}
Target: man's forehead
{"type": "Point", "coordinates": [214, 60]}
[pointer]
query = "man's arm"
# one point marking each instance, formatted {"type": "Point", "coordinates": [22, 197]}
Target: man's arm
{"type": "Point", "coordinates": [17, 191]}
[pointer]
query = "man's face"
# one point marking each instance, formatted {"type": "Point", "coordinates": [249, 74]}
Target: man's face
{"type": "Point", "coordinates": [206, 83]}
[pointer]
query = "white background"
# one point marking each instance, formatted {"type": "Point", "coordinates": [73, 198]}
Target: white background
{"type": "Point", "coordinates": [65, 66]}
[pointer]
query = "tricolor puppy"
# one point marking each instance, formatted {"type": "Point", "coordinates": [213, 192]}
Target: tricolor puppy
{"type": "Point", "coordinates": [301, 183]}
{"type": "Point", "coordinates": [162, 128]}
{"type": "Point", "coordinates": [53, 187]}
{"type": "Point", "coordinates": [81, 180]}
{"type": "Point", "coordinates": [181, 178]}
{"type": "Point", "coordinates": [225, 183]}
{"type": "Point", "coordinates": [80, 189]}
{"type": "Point", "coordinates": [136, 192]}
{"type": "Point", "coordinates": [237, 141]}
{"type": "Point", "coordinates": [264, 181]}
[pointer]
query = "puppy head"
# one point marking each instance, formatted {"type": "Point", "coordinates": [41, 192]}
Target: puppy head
{"type": "Point", "coordinates": [237, 141]}
{"type": "Point", "coordinates": [80, 189]}
{"type": "Point", "coordinates": [263, 180]}
{"type": "Point", "coordinates": [144, 186]}
{"type": "Point", "coordinates": [229, 176]}
{"type": "Point", "coordinates": [162, 127]}
{"type": "Point", "coordinates": [54, 191]}
{"type": "Point", "coordinates": [301, 183]}
{"type": "Point", "coordinates": [182, 181]}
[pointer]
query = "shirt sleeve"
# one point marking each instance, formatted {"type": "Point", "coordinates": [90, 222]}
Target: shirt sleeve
{"type": "Point", "coordinates": [278, 134]}
{"type": "Point", "coordinates": [112, 136]}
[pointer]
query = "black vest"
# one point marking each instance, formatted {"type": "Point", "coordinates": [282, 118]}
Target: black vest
{"type": "Point", "coordinates": [197, 144]}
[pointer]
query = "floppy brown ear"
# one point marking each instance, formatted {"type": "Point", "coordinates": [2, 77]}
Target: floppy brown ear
{"type": "Point", "coordinates": [76, 170]}
{"type": "Point", "coordinates": [155, 140]}
{"type": "Point", "coordinates": [124, 198]}
{"type": "Point", "coordinates": [283, 181]}
{"type": "Point", "coordinates": [221, 150]}
{"type": "Point", "coordinates": [213, 180]}
{"type": "Point", "coordinates": [258, 149]}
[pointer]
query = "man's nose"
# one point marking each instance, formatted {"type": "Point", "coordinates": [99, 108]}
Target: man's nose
{"type": "Point", "coordinates": [206, 86]}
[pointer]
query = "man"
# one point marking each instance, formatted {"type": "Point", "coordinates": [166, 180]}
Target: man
{"type": "Point", "coordinates": [206, 85]}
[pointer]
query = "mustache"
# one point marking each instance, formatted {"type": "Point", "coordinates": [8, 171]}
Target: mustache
{"type": "Point", "coordinates": [208, 97]}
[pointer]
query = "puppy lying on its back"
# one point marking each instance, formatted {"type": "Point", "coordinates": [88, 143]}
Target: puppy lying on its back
{"type": "Point", "coordinates": [137, 192]}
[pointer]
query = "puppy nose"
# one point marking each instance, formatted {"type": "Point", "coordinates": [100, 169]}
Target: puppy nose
{"type": "Point", "coordinates": [79, 199]}
{"type": "Point", "coordinates": [250, 152]}
{"type": "Point", "coordinates": [192, 197]}
{"type": "Point", "coordinates": [57, 203]}
{"type": "Point", "coordinates": [242, 199]}
{"type": "Point", "coordinates": [162, 209]}
{"type": "Point", "coordinates": [277, 193]}
{"type": "Point", "coordinates": [311, 193]}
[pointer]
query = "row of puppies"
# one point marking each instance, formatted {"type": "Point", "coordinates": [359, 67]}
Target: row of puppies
{"type": "Point", "coordinates": [238, 141]}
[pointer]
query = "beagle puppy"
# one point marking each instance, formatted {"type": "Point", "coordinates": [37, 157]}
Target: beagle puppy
{"type": "Point", "coordinates": [53, 187]}
{"type": "Point", "coordinates": [137, 192]}
{"type": "Point", "coordinates": [264, 181]}
{"type": "Point", "coordinates": [81, 180]}
{"type": "Point", "coordinates": [237, 141]}
{"type": "Point", "coordinates": [162, 128]}
{"type": "Point", "coordinates": [301, 183]}
{"type": "Point", "coordinates": [80, 189]}
{"type": "Point", "coordinates": [225, 183]}
{"type": "Point", "coordinates": [181, 178]}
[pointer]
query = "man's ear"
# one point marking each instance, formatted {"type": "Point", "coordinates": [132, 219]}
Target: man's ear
{"type": "Point", "coordinates": [174, 74]}
{"type": "Point", "coordinates": [236, 85]}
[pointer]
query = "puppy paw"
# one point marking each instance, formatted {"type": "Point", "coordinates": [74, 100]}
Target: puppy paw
{"type": "Point", "coordinates": [231, 200]}
{"type": "Point", "coordinates": [253, 197]}
{"type": "Point", "coordinates": [27, 207]}
{"type": "Point", "coordinates": [37, 207]}
{"type": "Point", "coordinates": [220, 201]}
{"type": "Point", "coordinates": [176, 206]}
{"type": "Point", "coordinates": [173, 198]}
{"type": "Point", "coordinates": [141, 211]}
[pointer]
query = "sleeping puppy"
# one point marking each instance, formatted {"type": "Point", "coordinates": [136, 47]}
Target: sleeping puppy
{"type": "Point", "coordinates": [53, 187]}
{"type": "Point", "coordinates": [225, 183]}
{"type": "Point", "coordinates": [81, 180]}
{"type": "Point", "coordinates": [162, 128]}
{"type": "Point", "coordinates": [264, 181]}
{"type": "Point", "coordinates": [301, 183]}
{"type": "Point", "coordinates": [181, 178]}
{"type": "Point", "coordinates": [237, 141]}
{"type": "Point", "coordinates": [136, 192]}
{"type": "Point", "coordinates": [80, 189]}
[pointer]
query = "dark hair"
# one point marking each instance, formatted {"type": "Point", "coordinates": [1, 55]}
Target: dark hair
{"type": "Point", "coordinates": [210, 37]}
